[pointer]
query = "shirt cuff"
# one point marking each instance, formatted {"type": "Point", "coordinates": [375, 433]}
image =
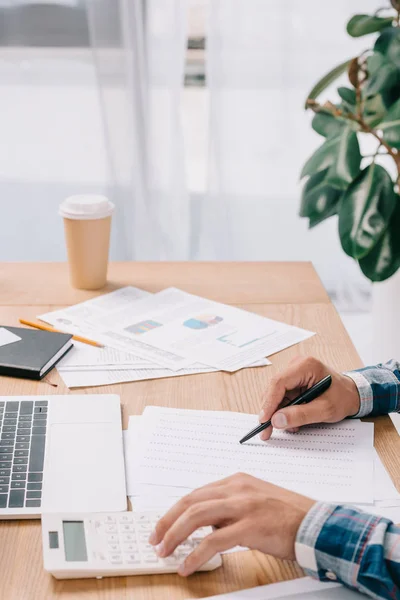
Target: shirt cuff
{"type": "Point", "coordinates": [307, 536]}
{"type": "Point", "coordinates": [364, 391]}
{"type": "Point", "coordinates": [341, 543]}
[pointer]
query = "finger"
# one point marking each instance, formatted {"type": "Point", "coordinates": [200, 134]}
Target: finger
{"type": "Point", "coordinates": [218, 541]}
{"type": "Point", "coordinates": [207, 492]}
{"type": "Point", "coordinates": [277, 390]}
{"type": "Point", "coordinates": [304, 414]}
{"type": "Point", "coordinates": [210, 512]}
{"type": "Point", "coordinates": [298, 375]}
{"type": "Point", "coordinates": [293, 430]}
{"type": "Point", "coordinates": [266, 433]}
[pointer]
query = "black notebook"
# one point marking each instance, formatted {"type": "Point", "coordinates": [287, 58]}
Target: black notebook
{"type": "Point", "coordinates": [35, 354]}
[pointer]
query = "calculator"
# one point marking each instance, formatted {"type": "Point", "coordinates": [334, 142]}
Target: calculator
{"type": "Point", "coordinates": [100, 545]}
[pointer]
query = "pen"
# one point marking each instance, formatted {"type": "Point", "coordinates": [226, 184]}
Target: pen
{"type": "Point", "coordinates": [309, 395]}
{"type": "Point", "coordinates": [78, 338]}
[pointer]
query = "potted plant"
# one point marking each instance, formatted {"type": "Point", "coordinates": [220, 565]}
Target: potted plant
{"type": "Point", "coordinates": [362, 188]}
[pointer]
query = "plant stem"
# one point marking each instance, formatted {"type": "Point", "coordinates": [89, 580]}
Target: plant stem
{"type": "Point", "coordinates": [336, 112]}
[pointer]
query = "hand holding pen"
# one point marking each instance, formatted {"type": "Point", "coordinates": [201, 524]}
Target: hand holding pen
{"type": "Point", "coordinates": [341, 400]}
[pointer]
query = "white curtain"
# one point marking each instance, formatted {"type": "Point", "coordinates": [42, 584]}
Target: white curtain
{"type": "Point", "coordinates": [141, 83]}
{"type": "Point", "coordinates": [263, 56]}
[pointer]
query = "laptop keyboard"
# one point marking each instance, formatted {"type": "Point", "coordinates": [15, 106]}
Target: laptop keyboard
{"type": "Point", "coordinates": [23, 426]}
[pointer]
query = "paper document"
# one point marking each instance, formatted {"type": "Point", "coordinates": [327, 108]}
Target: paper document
{"type": "Point", "coordinates": [179, 329]}
{"type": "Point", "coordinates": [191, 448]}
{"type": "Point", "coordinates": [7, 337]}
{"type": "Point", "coordinates": [80, 377]}
{"type": "Point", "coordinates": [82, 356]}
{"type": "Point", "coordinates": [300, 589]}
{"type": "Point", "coordinates": [385, 491]}
{"type": "Point", "coordinates": [173, 329]}
{"type": "Point", "coordinates": [81, 318]}
{"type": "Point", "coordinates": [132, 448]}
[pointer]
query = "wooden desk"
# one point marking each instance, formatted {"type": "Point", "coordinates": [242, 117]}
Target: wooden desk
{"type": "Point", "coordinates": [290, 292]}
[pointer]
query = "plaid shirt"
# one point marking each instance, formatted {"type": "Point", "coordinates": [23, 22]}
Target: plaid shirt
{"type": "Point", "coordinates": [340, 543]}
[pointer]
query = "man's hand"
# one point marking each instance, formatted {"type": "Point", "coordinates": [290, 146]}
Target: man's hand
{"type": "Point", "coordinates": [247, 512]}
{"type": "Point", "coordinates": [341, 400]}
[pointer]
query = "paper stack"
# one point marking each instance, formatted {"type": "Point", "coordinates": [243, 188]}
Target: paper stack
{"type": "Point", "coordinates": [169, 452]}
{"type": "Point", "coordinates": [168, 334]}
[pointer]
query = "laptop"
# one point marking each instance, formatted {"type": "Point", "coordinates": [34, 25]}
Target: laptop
{"type": "Point", "coordinates": [61, 454]}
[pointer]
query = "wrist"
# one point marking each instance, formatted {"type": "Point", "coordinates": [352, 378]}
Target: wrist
{"type": "Point", "coordinates": [351, 395]}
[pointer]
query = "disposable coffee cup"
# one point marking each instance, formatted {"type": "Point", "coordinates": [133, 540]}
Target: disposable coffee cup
{"type": "Point", "coordinates": [87, 226]}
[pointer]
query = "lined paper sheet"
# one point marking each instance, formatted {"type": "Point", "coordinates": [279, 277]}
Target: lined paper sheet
{"type": "Point", "coordinates": [191, 448]}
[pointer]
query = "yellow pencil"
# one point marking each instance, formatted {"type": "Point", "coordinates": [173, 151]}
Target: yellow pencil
{"type": "Point", "coordinates": [78, 338]}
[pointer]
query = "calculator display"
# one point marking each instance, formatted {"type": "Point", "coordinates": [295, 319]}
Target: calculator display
{"type": "Point", "coordinates": [74, 541]}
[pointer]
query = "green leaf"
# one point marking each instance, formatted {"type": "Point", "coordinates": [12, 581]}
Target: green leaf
{"type": "Point", "coordinates": [391, 126]}
{"type": "Point", "coordinates": [348, 95]}
{"type": "Point", "coordinates": [391, 95]}
{"type": "Point", "coordinates": [388, 44]}
{"type": "Point", "coordinates": [384, 259]}
{"type": "Point", "coordinates": [363, 24]}
{"type": "Point", "coordinates": [322, 158]}
{"type": "Point", "coordinates": [327, 80]}
{"type": "Point", "coordinates": [319, 201]}
{"type": "Point", "coordinates": [346, 165]}
{"type": "Point", "coordinates": [327, 125]}
{"type": "Point", "coordinates": [341, 154]}
{"type": "Point", "coordinates": [365, 211]}
{"type": "Point", "coordinates": [374, 110]}
{"type": "Point", "coordinates": [382, 74]}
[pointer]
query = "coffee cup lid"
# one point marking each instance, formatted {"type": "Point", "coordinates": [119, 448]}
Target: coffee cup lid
{"type": "Point", "coordinates": [86, 206]}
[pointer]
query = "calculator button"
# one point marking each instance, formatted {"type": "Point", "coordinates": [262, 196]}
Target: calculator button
{"type": "Point", "coordinates": [128, 548]}
{"type": "Point", "coordinates": [109, 520]}
{"type": "Point", "coordinates": [132, 558]}
{"type": "Point", "coordinates": [114, 548]}
{"type": "Point", "coordinates": [115, 559]}
{"type": "Point", "coordinates": [144, 527]}
{"type": "Point", "coordinates": [126, 528]}
{"type": "Point", "coordinates": [128, 537]}
{"type": "Point", "coordinates": [112, 538]}
{"type": "Point", "coordinates": [111, 529]}
{"type": "Point", "coordinates": [150, 558]}
{"type": "Point", "coordinates": [125, 519]}
{"type": "Point", "coordinates": [170, 560]}
{"type": "Point", "coordinates": [142, 519]}
{"type": "Point", "coordinates": [186, 547]}
{"type": "Point", "coordinates": [143, 538]}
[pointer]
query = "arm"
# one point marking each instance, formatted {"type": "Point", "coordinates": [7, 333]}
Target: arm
{"type": "Point", "coordinates": [369, 391]}
{"type": "Point", "coordinates": [362, 551]}
{"type": "Point", "coordinates": [331, 542]}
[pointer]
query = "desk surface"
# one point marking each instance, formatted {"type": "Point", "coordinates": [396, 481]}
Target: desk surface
{"type": "Point", "coordinates": [290, 292]}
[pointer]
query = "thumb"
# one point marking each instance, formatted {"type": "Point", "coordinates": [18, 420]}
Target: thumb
{"type": "Point", "coordinates": [297, 416]}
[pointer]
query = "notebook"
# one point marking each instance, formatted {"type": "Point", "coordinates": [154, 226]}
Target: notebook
{"type": "Point", "coordinates": [35, 354]}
